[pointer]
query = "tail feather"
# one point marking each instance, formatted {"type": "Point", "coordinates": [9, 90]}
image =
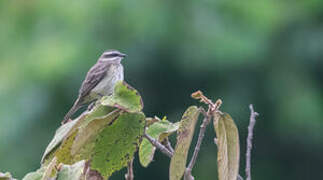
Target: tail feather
{"type": "Point", "coordinates": [74, 108]}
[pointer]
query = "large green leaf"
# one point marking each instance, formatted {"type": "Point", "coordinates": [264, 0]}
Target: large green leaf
{"type": "Point", "coordinates": [60, 134]}
{"type": "Point", "coordinates": [228, 146]}
{"type": "Point", "coordinates": [124, 97]}
{"type": "Point", "coordinates": [158, 130]}
{"type": "Point", "coordinates": [108, 142]}
{"type": "Point", "coordinates": [65, 130]}
{"type": "Point", "coordinates": [84, 140]}
{"type": "Point", "coordinates": [106, 136]}
{"type": "Point", "coordinates": [184, 138]}
{"type": "Point", "coordinates": [116, 144]}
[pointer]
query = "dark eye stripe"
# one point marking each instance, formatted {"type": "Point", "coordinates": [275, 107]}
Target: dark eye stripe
{"type": "Point", "coordinates": [111, 55]}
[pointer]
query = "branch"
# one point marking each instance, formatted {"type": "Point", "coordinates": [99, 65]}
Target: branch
{"type": "Point", "coordinates": [129, 175]}
{"type": "Point", "coordinates": [206, 121]}
{"type": "Point", "coordinates": [158, 145]}
{"type": "Point", "coordinates": [212, 106]}
{"type": "Point", "coordinates": [207, 118]}
{"type": "Point", "coordinates": [168, 145]}
{"type": "Point", "coordinates": [252, 123]}
{"type": "Point", "coordinates": [204, 124]}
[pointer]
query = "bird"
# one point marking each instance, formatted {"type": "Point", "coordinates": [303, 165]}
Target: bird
{"type": "Point", "coordinates": [99, 81]}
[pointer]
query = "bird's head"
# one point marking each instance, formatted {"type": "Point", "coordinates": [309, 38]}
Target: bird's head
{"type": "Point", "coordinates": [111, 55]}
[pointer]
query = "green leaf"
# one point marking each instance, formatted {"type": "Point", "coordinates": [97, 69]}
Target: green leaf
{"type": "Point", "coordinates": [84, 141]}
{"type": "Point", "coordinates": [72, 172]}
{"type": "Point", "coordinates": [58, 138]}
{"type": "Point", "coordinates": [228, 146]}
{"type": "Point", "coordinates": [107, 137]}
{"type": "Point", "coordinates": [184, 138]}
{"type": "Point", "coordinates": [65, 130]}
{"type": "Point", "coordinates": [117, 143]}
{"type": "Point", "coordinates": [109, 142]}
{"type": "Point", "coordinates": [158, 130]}
{"type": "Point", "coordinates": [125, 98]}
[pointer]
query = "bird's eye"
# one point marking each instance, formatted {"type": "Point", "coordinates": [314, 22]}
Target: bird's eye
{"type": "Point", "coordinates": [111, 55]}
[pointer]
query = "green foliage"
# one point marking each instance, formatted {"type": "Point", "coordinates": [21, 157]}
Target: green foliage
{"type": "Point", "coordinates": [116, 144]}
{"type": "Point", "coordinates": [105, 139]}
{"type": "Point", "coordinates": [76, 143]}
{"type": "Point", "coordinates": [158, 130]}
{"type": "Point", "coordinates": [125, 98]}
{"type": "Point", "coordinates": [228, 146]}
{"type": "Point", "coordinates": [266, 52]}
{"type": "Point", "coordinates": [60, 134]}
{"type": "Point", "coordinates": [100, 114]}
{"type": "Point", "coordinates": [83, 142]}
{"type": "Point", "coordinates": [184, 138]}
{"type": "Point", "coordinates": [107, 136]}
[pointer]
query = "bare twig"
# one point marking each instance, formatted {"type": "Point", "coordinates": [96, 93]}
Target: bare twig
{"type": "Point", "coordinates": [206, 121]}
{"type": "Point", "coordinates": [202, 110]}
{"type": "Point", "coordinates": [204, 124]}
{"type": "Point", "coordinates": [168, 145]}
{"type": "Point", "coordinates": [252, 123]}
{"type": "Point", "coordinates": [129, 175]}
{"type": "Point", "coordinates": [207, 118]}
{"type": "Point", "coordinates": [158, 145]}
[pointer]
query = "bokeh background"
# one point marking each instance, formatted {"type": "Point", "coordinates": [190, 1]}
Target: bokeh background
{"type": "Point", "coordinates": [268, 53]}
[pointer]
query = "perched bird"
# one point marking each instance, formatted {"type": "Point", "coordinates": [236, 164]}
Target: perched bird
{"type": "Point", "coordinates": [99, 81]}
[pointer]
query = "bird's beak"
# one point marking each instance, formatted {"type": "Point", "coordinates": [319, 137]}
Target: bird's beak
{"type": "Point", "coordinates": [123, 55]}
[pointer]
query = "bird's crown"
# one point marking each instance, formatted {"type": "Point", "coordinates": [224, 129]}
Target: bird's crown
{"type": "Point", "coordinates": [112, 54]}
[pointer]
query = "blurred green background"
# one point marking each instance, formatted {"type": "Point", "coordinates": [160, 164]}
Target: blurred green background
{"type": "Point", "coordinates": [267, 52]}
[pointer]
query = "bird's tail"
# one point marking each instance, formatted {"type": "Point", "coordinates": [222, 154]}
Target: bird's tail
{"type": "Point", "coordinates": [76, 106]}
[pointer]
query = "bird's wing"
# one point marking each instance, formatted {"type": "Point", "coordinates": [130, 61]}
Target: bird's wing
{"type": "Point", "coordinates": [93, 77]}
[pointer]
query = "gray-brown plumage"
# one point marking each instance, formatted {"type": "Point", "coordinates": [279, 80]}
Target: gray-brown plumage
{"type": "Point", "coordinates": [99, 81]}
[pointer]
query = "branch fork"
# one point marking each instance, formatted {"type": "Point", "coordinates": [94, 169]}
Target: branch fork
{"type": "Point", "coordinates": [166, 148]}
{"type": "Point", "coordinates": [213, 107]}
